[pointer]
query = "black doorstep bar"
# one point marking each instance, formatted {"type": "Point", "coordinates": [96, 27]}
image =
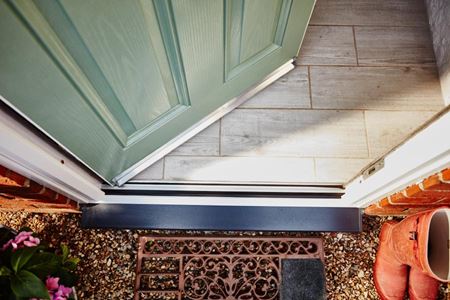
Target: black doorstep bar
{"type": "Point", "coordinates": [233, 218]}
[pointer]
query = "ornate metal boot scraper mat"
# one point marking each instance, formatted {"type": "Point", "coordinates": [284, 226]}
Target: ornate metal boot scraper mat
{"type": "Point", "coordinates": [217, 267]}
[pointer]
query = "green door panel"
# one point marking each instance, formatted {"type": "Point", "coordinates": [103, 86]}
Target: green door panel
{"type": "Point", "coordinates": [113, 81]}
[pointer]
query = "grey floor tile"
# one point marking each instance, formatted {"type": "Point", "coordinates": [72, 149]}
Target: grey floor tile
{"type": "Point", "coordinates": [378, 88]}
{"type": "Point", "coordinates": [310, 133]}
{"type": "Point", "coordinates": [394, 46]}
{"type": "Point", "coordinates": [328, 45]}
{"type": "Point", "coordinates": [338, 170]}
{"type": "Point", "coordinates": [239, 169]}
{"type": "Point", "coordinates": [204, 143]}
{"type": "Point", "coordinates": [386, 129]}
{"type": "Point", "coordinates": [154, 172]}
{"type": "Point", "coordinates": [370, 12]}
{"type": "Point", "coordinates": [290, 91]}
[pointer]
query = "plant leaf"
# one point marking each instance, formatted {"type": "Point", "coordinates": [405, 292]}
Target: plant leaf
{"type": "Point", "coordinates": [42, 264]}
{"type": "Point", "coordinates": [5, 271]}
{"type": "Point", "coordinates": [71, 263]}
{"type": "Point", "coordinates": [66, 277]}
{"type": "Point", "coordinates": [65, 252]}
{"type": "Point", "coordinates": [21, 256]}
{"type": "Point", "coordinates": [25, 284]}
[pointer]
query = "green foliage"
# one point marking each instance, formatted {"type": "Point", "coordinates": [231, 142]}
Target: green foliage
{"type": "Point", "coordinates": [42, 264]}
{"type": "Point", "coordinates": [23, 271]}
{"type": "Point", "coordinates": [5, 271]}
{"type": "Point", "coordinates": [71, 263]}
{"type": "Point", "coordinates": [66, 277]}
{"type": "Point", "coordinates": [25, 284]}
{"type": "Point", "coordinates": [65, 252]}
{"type": "Point", "coordinates": [21, 257]}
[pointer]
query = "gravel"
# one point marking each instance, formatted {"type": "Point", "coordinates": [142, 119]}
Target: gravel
{"type": "Point", "coordinates": [107, 266]}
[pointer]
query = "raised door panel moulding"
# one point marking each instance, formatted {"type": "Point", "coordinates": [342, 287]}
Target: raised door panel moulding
{"type": "Point", "coordinates": [84, 54]}
{"type": "Point", "coordinates": [245, 42]}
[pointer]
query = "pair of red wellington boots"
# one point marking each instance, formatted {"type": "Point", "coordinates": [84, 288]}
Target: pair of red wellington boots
{"type": "Point", "coordinates": [414, 254]}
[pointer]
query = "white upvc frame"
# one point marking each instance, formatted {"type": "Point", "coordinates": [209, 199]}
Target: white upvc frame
{"type": "Point", "coordinates": [425, 153]}
{"type": "Point", "coordinates": [27, 153]}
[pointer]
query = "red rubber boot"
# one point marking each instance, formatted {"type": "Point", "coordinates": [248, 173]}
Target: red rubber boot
{"type": "Point", "coordinates": [422, 286]}
{"type": "Point", "coordinates": [389, 273]}
{"type": "Point", "coordinates": [420, 241]}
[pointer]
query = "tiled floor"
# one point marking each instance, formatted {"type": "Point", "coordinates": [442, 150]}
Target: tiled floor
{"type": "Point", "coordinates": [365, 79]}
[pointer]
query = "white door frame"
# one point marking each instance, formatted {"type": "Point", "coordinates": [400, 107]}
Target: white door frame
{"type": "Point", "coordinates": [28, 153]}
{"type": "Point", "coordinates": [425, 153]}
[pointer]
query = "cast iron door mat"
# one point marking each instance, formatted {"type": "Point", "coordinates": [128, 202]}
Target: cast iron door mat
{"type": "Point", "coordinates": [225, 267]}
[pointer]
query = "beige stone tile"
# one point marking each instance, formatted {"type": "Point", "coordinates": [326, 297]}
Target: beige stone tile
{"type": "Point", "coordinates": [154, 172]}
{"type": "Point", "coordinates": [378, 88]}
{"type": "Point", "coordinates": [386, 129]}
{"type": "Point", "coordinates": [338, 170]}
{"type": "Point", "coordinates": [328, 45]}
{"type": "Point", "coordinates": [370, 12]}
{"type": "Point", "coordinates": [253, 132]}
{"type": "Point", "coordinates": [205, 142]}
{"type": "Point", "coordinates": [291, 90]}
{"type": "Point", "coordinates": [239, 169]}
{"type": "Point", "coordinates": [394, 46]}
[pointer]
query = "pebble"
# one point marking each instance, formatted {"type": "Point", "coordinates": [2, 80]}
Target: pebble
{"type": "Point", "coordinates": [109, 272]}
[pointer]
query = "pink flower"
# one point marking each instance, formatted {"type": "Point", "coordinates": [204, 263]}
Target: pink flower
{"type": "Point", "coordinates": [52, 283]}
{"type": "Point", "coordinates": [22, 236]}
{"type": "Point", "coordinates": [62, 293]}
{"type": "Point", "coordinates": [23, 239]}
{"type": "Point", "coordinates": [56, 291]}
{"type": "Point", "coordinates": [32, 241]}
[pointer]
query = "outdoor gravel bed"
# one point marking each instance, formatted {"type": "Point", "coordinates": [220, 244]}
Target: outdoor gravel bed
{"type": "Point", "coordinates": [107, 266]}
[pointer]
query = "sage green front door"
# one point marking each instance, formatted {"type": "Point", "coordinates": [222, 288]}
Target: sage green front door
{"type": "Point", "coordinates": [113, 81]}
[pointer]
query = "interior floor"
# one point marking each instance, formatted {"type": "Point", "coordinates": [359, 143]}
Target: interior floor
{"type": "Point", "coordinates": [365, 79]}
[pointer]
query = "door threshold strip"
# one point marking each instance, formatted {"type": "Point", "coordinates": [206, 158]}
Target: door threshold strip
{"type": "Point", "coordinates": [217, 217]}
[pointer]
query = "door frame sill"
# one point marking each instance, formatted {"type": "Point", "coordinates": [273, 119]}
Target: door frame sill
{"type": "Point", "coordinates": [136, 188]}
{"type": "Point", "coordinates": [225, 195]}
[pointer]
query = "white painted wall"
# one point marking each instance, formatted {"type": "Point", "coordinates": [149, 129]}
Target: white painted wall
{"type": "Point", "coordinates": [439, 18]}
